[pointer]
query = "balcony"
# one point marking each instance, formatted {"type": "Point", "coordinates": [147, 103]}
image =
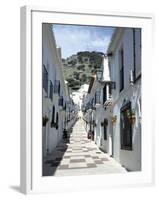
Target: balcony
{"type": "Point", "coordinates": [108, 102]}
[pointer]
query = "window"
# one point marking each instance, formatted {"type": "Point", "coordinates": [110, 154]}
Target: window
{"type": "Point", "coordinates": [45, 79]}
{"type": "Point", "coordinates": [57, 87]}
{"type": "Point", "coordinates": [57, 120]}
{"type": "Point", "coordinates": [53, 114]}
{"type": "Point", "coordinates": [125, 127]}
{"type": "Point", "coordinates": [51, 90]}
{"type": "Point", "coordinates": [107, 91]}
{"type": "Point", "coordinates": [104, 94]}
{"type": "Point", "coordinates": [65, 106]}
{"type": "Point", "coordinates": [121, 69]}
{"type": "Point", "coordinates": [105, 128]}
{"type": "Point", "coordinates": [137, 51]}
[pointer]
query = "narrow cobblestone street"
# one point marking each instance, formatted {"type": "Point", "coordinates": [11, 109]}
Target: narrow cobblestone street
{"type": "Point", "coordinates": [79, 156]}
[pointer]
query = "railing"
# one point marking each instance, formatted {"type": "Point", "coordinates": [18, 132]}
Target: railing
{"type": "Point", "coordinates": [108, 102]}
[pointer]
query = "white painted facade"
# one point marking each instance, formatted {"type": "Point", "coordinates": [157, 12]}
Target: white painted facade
{"type": "Point", "coordinates": [111, 113]}
{"type": "Point", "coordinates": [97, 112]}
{"type": "Point", "coordinates": [56, 99]}
{"type": "Point", "coordinates": [130, 41]}
{"type": "Point", "coordinates": [78, 95]}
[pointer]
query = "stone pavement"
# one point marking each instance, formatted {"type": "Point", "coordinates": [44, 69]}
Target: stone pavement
{"type": "Point", "coordinates": [79, 156]}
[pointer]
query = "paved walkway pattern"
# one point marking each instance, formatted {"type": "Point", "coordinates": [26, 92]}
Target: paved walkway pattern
{"type": "Point", "coordinates": [79, 156]}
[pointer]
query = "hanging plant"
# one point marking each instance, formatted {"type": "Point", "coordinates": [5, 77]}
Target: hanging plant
{"type": "Point", "coordinates": [45, 120]}
{"type": "Point", "coordinates": [128, 112]}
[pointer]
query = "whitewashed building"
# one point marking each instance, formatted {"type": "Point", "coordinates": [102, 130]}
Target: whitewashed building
{"type": "Point", "coordinates": [56, 100]}
{"type": "Point", "coordinates": [125, 69]}
{"type": "Point", "coordinates": [98, 109]}
{"type": "Point", "coordinates": [113, 104]}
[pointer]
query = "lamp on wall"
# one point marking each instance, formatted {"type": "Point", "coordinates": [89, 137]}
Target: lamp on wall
{"type": "Point", "coordinates": [99, 74]}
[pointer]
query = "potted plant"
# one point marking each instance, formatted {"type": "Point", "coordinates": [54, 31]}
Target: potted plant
{"type": "Point", "coordinates": [45, 120]}
{"type": "Point", "coordinates": [114, 119]}
{"type": "Point", "coordinates": [133, 117]}
{"type": "Point", "coordinates": [128, 112]}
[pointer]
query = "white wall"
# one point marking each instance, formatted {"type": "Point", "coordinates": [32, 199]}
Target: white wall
{"type": "Point", "coordinates": [53, 64]}
{"type": "Point", "coordinates": [131, 159]}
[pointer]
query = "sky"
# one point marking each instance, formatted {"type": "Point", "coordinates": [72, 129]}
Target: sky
{"type": "Point", "coordinates": [75, 38]}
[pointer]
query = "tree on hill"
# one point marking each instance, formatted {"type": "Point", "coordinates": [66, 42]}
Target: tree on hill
{"type": "Point", "coordinates": [78, 70]}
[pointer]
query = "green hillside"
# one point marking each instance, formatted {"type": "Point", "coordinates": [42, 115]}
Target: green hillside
{"type": "Point", "coordinates": [79, 68]}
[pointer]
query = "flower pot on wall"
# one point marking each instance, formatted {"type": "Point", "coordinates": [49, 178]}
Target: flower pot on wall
{"type": "Point", "coordinates": [114, 119]}
{"type": "Point", "coordinates": [128, 112]}
{"type": "Point", "coordinates": [133, 119]}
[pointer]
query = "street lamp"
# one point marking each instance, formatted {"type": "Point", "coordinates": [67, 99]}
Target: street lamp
{"type": "Point", "coordinates": [99, 74]}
